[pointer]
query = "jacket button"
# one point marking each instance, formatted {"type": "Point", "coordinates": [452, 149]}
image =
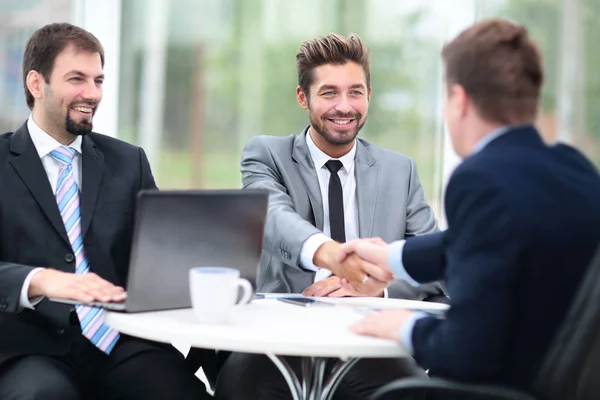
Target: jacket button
{"type": "Point", "coordinates": [69, 257]}
{"type": "Point", "coordinates": [60, 331]}
{"type": "Point", "coordinates": [3, 305]}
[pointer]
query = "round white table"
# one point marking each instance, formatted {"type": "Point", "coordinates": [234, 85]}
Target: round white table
{"type": "Point", "coordinates": [276, 329]}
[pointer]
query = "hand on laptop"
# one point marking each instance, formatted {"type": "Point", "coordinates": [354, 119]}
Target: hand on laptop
{"type": "Point", "coordinates": [62, 285]}
{"type": "Point", "coordinates": [333, 287]}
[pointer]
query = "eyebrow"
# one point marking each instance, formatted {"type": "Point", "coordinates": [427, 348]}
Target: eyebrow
{"type": "Point", "coordinates": [358, 86]}
{"type": "Point", "coordinates": [333, 87]}
{"type": "Point", "coordinates": [79, 73]}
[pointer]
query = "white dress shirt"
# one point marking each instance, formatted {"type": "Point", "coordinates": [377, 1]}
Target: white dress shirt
{"type": "Point", "coordinates": [44, 144]}
{"type": "Point", "coordinates": [348, 180]}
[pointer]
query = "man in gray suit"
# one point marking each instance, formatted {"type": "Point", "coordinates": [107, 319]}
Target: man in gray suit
{"type": "Point", "coordinates": [381, 192]}
{"type": "Point", "coordinates": [327, 187]}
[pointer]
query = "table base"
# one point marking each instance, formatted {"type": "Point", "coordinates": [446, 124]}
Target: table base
{"type": "Point", "coordinates": [314, 386]}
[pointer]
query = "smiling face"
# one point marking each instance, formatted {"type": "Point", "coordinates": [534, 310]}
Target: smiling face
{"type": "Point", "coordinates": [337, 104]}
{"type": "Point", "coordinates": [65, 105]}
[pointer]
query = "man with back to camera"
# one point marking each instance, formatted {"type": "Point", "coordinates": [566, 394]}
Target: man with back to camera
{"type": "Point", "coordinates": [327, 187]}
{"type": "Point", "coordinates": [523, 223]}
{"type": "Point", "coordinates": [59, 241]}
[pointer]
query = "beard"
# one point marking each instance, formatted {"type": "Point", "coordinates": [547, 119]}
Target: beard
{"type": "Point", "coordinates": [336, 139]}
{"type": "Point", "coordinates": [78, 128]}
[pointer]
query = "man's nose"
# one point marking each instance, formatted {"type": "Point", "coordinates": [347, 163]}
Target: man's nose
{"type": "Point", "coordinates": [92, 92]}
{"type": "Point", "coordinates": [343, 105]}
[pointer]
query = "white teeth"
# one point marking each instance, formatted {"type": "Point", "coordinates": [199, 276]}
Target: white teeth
{"type": "Point", "coordinates": [341, 121]}
{"type": "Point", "coordinates": [83, 109]}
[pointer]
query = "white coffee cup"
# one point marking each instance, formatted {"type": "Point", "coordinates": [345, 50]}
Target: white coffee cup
{"type": "Point", "coordinates": [214, 292]}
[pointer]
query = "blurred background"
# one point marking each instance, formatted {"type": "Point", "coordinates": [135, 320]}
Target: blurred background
{"type": "Point", "coordinates": [192, 80]}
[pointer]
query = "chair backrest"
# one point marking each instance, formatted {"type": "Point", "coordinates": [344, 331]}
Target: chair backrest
{"type": "Point", "coordinates": [571, 369]}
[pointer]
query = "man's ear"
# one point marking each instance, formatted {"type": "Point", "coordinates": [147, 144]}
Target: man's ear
{"type": "Point", "coordinates": [461, 100]}
{"type": "Point", "coordinates": [35, 84]}
{"type": "Point", "coordinates": [302, 98]}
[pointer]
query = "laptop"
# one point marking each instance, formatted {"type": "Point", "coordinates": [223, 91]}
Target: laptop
{"type": "Point", "coordinates": [178, 230]}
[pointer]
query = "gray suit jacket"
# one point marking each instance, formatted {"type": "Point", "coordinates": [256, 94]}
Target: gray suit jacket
{"type": "Point", "coordinates": [390, 204]}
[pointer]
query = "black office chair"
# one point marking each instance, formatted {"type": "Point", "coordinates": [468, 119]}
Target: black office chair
{"type": "Point", "coordinates": [571, 369]}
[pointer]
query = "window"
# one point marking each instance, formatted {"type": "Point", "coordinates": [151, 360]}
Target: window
{"type": "Point", "coordinates": [18, 20]}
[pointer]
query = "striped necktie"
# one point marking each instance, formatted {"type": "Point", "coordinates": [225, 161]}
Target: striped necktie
{"type": "Point", "coordinates": [67, 198]}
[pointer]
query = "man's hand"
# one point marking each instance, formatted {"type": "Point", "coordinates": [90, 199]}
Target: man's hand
{"type": "Point", "coordinates": [385, 324]}
{"type": "Point", "coordinates": [348, 291]}
{"type": "Point", "coordinates": [87, 287]}
{"type": "Point", "coordinates": [372, 261]}
{"type": "Point", "coordinates": [373, 288]}
{"type": "Point", "coordinates": [362, 275]}
{"type": "Point", "coordinates": [326, 255]}
{"type": "Point", "coordinates": [333, 287]}
{"type": "Point", "coordinates": [324, 287]}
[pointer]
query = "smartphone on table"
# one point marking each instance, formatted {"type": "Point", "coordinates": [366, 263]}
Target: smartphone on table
{"type": "Point", "coordinates": [304, 301]}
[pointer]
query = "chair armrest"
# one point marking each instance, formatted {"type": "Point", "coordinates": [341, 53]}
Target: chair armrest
{"type": "Point", "coordinates": [396, 389]}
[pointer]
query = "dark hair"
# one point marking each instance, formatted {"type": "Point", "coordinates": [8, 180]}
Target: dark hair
{"type": "Point", "coordinates": [500, 68]}
{"type": "Point", "coordinates": [47, 43]}
{"type": "Point", "coordinates": [330, 49]}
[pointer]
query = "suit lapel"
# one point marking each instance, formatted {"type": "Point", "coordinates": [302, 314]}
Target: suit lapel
{"type": "Point", "coordinates": [308, 174]}
{"type": "Point", "coordinates": [92, 167]}
{"type": "Point", "coordinates": [367, 185]}
{"type": "Point", "coordinates": [29, 167]}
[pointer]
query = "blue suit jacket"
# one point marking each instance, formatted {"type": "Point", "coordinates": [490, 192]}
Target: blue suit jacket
{"type": "Point", "coordinates": [523, 223]}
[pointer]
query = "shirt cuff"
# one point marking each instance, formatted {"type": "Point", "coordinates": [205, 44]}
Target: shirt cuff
{"type": "Point", "coordinates": [407, 329]}
{"type": "Point", "coordinates": [321, 274]}
{"type": "Point", "coordinates": [309, 248]}
{"type": "Point", "coordinates": [24, 300]}
{"type": "Point", "coordinates": [395, 257]}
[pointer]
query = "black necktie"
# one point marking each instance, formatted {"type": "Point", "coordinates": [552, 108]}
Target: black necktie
{"type": "Point", "coordinates": [336, 202]}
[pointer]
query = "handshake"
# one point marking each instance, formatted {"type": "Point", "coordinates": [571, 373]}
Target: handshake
{"type": "Point", "coordinates": [360, 268]}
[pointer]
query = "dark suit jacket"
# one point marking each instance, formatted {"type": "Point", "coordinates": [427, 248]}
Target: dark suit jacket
{"type": "Point", "coordinates": [390, 204]}
{"type": "Point", "coordinates": [32, 233]}
{"type": "Point", "coordinates": [523, 223]}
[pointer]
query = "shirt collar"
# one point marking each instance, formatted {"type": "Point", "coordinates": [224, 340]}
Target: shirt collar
{"type": "Point", "coordinates": [320, 158]}
{"type": "Point", "coordinates": [44, 143]}
{"type": "Point", "coordinates": [484, 141]}
{"type": "Point", "coordinates": [487, 139]}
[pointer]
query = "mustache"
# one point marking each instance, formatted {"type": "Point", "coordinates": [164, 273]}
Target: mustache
{"type": "Point", "coordinates": [351, 115]}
